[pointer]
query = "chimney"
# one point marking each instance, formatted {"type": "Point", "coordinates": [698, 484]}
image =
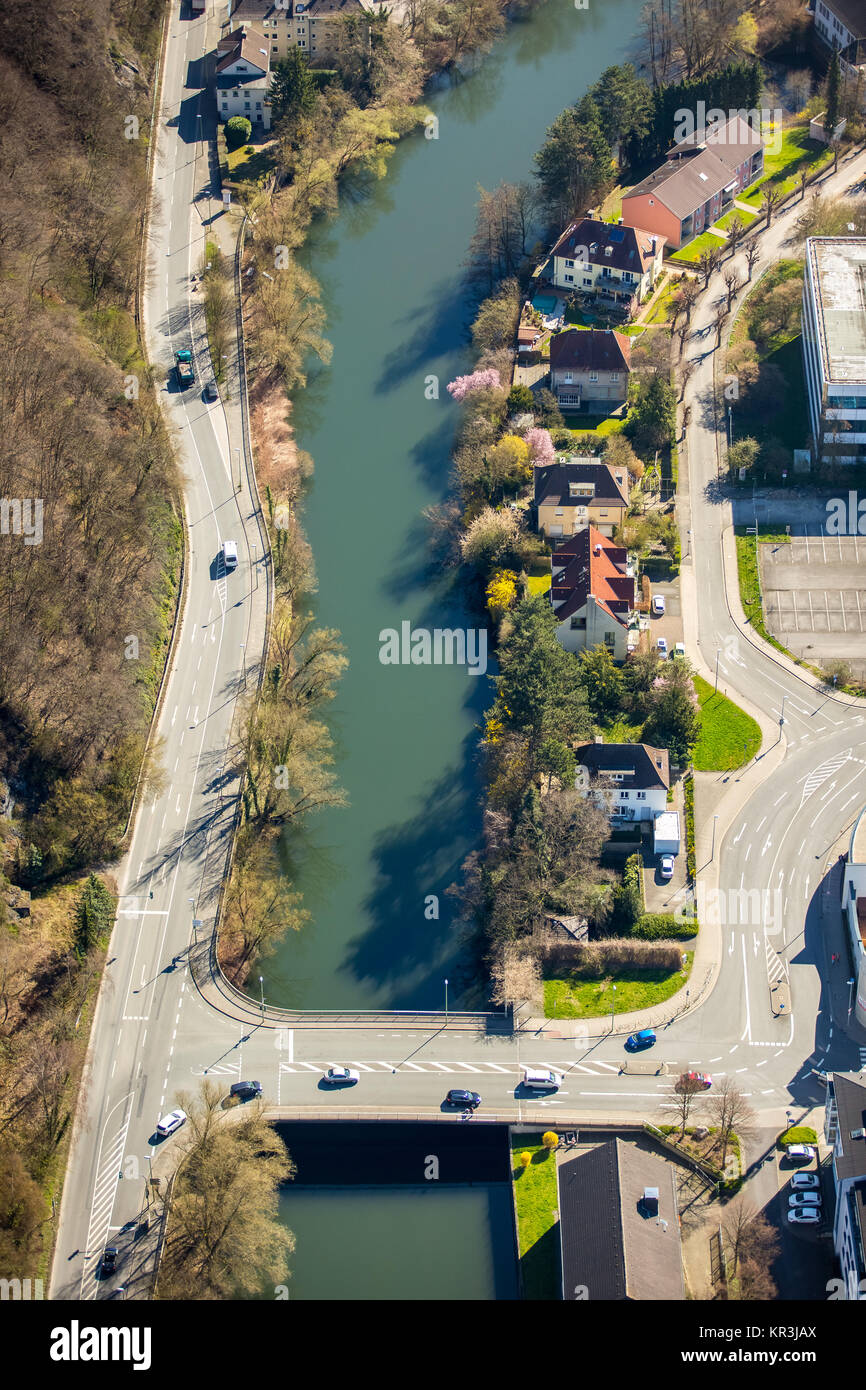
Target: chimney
{"type": "Point", "coordinates": [654, 243]}
{"type": "Point", "coordinates": [620, 221]}
{"type": "Point", "coordinates": [597, 550]}
{"type": "Point", "coordinates": [608, 250]}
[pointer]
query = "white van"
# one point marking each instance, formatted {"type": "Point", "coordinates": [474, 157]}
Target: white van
{"type": "Point", "coordinates": [541, 1079]}
{"type": "Point", "coordinates": [230, 555]}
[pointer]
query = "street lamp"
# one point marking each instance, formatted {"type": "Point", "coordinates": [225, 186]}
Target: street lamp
{"type": "Point", "coordinates": [612, 1007]}
{"type": "Point", "coordinates": [851, 984]}
{"type": "Point", "coordinates": [716, 686]}
{"type": "Point", "coordinates": [244, 663]}
{"type": "Point", "coordinates": [446, 1001]}
{"type": "Point", "coordinates": [262, 988]}
{"type": "Point", "coordinates": [240, 482]}
{"type": "Point", "coordinates": [713, 850]}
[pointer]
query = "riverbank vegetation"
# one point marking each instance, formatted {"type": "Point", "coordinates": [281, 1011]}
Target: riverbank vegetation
{"type": "Point", "coordinates": [89, 566]}
{"type": "Point", "coordinates": [224, 1239]}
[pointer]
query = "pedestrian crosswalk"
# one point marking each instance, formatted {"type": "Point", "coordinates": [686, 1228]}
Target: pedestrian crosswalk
{"type": "Point", "coordinates": [862, 1052]}
{"type": "Point", "coordinates": [775, 964]}
{"type": "Point", "coordinates": [456, 1067]}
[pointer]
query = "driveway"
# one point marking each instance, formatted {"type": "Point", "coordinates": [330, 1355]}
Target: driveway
{"type": "Point", "coordinates": [665, 895]}
{"type": "Point", "coordinates": [670, 626]}
{"type": "Point", "coordinates": [815, 597]}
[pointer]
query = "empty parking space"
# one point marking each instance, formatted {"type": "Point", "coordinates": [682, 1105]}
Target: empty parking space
{"type": "Point", "coordinates": [814, 591]}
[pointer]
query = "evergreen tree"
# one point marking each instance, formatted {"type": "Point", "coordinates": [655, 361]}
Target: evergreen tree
{"type": "Point", "coordinates": [574, 165]}
{"type": "Point", "coordinates": [93, 915]}
{"type": "Point", "coordinates": [293, 90]}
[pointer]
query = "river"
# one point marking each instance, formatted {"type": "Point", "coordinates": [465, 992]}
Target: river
{"type": "Point", "coordinates": [390, 271]}
{"type": "Point", "coordinates": [375, 874]}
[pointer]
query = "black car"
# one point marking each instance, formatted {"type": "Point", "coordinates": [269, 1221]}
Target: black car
{"type": "Point", "coordinates": [470, 1099]}
{"type": "Point", "coordinates": [109, 1259]}
{"type": "Point", "coordinates": [211, 392]}
{"type": "Point", "coordinates": [246, 1090]}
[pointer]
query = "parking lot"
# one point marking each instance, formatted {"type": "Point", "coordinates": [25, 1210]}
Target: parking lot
{"type": "Point", "coordinates": [670, 625]}
{"type": "Point", "coordinates": [814, 592]}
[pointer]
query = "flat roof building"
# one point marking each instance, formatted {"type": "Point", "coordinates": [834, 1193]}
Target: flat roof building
{"type": "Point", "coordinates": [834, 347]}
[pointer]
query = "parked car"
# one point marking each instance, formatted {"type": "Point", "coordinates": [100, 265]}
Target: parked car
{"type": "Point", "coordinates": [800, 1153]}
{"type": "Point", "coordinates": [246, 1090]}
{"type": "Point", "coordinates": [666, 866]}
{"type": "Point", "coordinates": [468, 1099]}
{"type": "Point", "coordinates": [804, 1215]}
{"type": "Point", "coordinates": [679, 650]}
{"type": "Point", "coordinates": [658, 605]}
{"type": "Point", "coordinates": [109, 1259]}
{"type": "Point", "coordinates": [662, 646]}
{"type": "Point", "coordinates": [341, 1076]}
{"type": "Point", "coordinates": [638, 1041]}
{"type": "Point", "coordinates": [804, 1199]}
{"type": "Point", "coordinates": [804, 1180]}
{"type": "Point", "coordinates": [700, 1077]}
{"type": "Point", "coordinates": [230, 555]}
{"type": "Point", "coordinates": [170, 1122]}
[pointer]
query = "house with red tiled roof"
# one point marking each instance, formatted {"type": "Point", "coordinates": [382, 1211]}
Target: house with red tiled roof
{"type": "Point", "coordinates": [592, 593]}
{"type": "Point", "coordinates": [589, 369]}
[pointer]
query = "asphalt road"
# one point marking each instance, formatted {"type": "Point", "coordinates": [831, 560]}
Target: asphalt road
{"type": "Point", "coordinates": [156, 1035]}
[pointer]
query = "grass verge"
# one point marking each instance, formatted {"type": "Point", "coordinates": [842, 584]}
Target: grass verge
{"type": "Point", "coordinates": [572, 997]}
{"type": "Point", "coordinates": [729, 737]}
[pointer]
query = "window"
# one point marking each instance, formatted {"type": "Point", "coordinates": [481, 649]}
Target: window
{"type": "Point", "coordinates": [567, 378]}
{"type": "Point", "coordinates": [593, 376]}
{"type": "Point", "coordinates": [569, 279]}
{"type": "Point", "coordinates": [569, 263]}
{"type": "Point", "coordinates": [609, 639]}
{"type": "Point", "coordinates": [587, 280]}
{"type": "Point", "coordinates": [623, 796]}
{"type": "Point", "coordinates": [640, 796]}
{"type": "Point", "coordinates": [577, 624]}
{"type": "Point", "coordinates": [614, 376]}
{"type": "Point", "coordinates": [603, 512]}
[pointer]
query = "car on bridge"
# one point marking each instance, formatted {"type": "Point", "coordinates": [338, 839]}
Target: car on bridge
{"type": "Point", "coordinates": [638, 1041]}
{"type": "Point", "coordinates": [246, 1090]}
{"type": "Point", "coordinates": [470, 1100]}
{"type": "Point", "coordinates": [341, 1076]}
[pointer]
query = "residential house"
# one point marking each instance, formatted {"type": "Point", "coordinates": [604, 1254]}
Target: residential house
{"type": "Point", "coordinates": [592, 593]}
{"type": "Point", "coordinates": [617, 265]}
{"type": "Point", "coordinates": [629, 781]}
{"type": "Point", "coordinates": [845, 1130]}
{"type": "Point", "coordinates": [310, 25]}
{"type": "Point", "coordinates": [580, 492]}
{"type": "Point", "coordinates": [834, 347]}
{"type": "Point", "coordinates": [619, 1226]}
{"type": "Point", "coordinates": [530, 338]}
{"type": "Point", "coordinates": [854, 910]}
{"type": "Point", "coordinates": [243, 77]}
{"type": "Point", "coordinates": [589, 369]}
{"type": "Point", "coordinates": [842, 24]}
{"type": "Point", "coordinates": [698, 182]}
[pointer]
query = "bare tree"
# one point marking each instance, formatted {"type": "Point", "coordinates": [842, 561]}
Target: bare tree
{"type": "Point", "coordinates": [770, 200]}
{"type": "Point", "coordinates": [732, 284]}
{"type": "Point", "coordinates": [709, 262]}
{"type": "Point", "coordinates": [719, 322]}
{"type": "Point", "coordinates": [684, 1094]}
{"type": "Point", "coordinates": [753, 251]}
{"type": "Point", "coordinates": [687, 371]}
{"type": "Point", "coordinates": [731, 1114]}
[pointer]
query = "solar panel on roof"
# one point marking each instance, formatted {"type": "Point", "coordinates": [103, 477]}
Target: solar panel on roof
{"type": "Point", "coordinates": [616, 234]}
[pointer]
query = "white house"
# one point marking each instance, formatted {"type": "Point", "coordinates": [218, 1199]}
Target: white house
{"type": "Point", "coordinates": [845, 1130]}
{"type": "Point", "coordinates": [615, 264]}
{"type": "Point", "coordinates": [629, 781]}
{"type": "Point", "coordinates": [841, 24]}
{"type": "Point", "coordinates": [243, 77]}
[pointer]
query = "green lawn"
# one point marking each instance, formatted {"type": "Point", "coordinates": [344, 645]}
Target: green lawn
{"type": "Point", "coordinates": [693, 250]}
{"type": "Point", "coordinates": [538, 583]}
{"type": "Point", "coordinates": [571, 997]}
{"type": "Point", "coordinates": [620, 731]}
{"type": "Point", "coordinates": [245, 167]}
{"type": "Point", "coordinates": [782, 168]}
{"type": "Point", "coordinates": [536, 1201]}
{"type": "Point", "coordinates": [595, 424]}
{"type": "Point", "coordinates": [729, 736]}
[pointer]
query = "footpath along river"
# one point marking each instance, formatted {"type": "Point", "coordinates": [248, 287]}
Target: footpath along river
{"type": "Point", "coordinates": [390, 270]}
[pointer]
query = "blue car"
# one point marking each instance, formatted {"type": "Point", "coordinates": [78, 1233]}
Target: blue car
{"type": "Point", "coordinates": [638, 1041]}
